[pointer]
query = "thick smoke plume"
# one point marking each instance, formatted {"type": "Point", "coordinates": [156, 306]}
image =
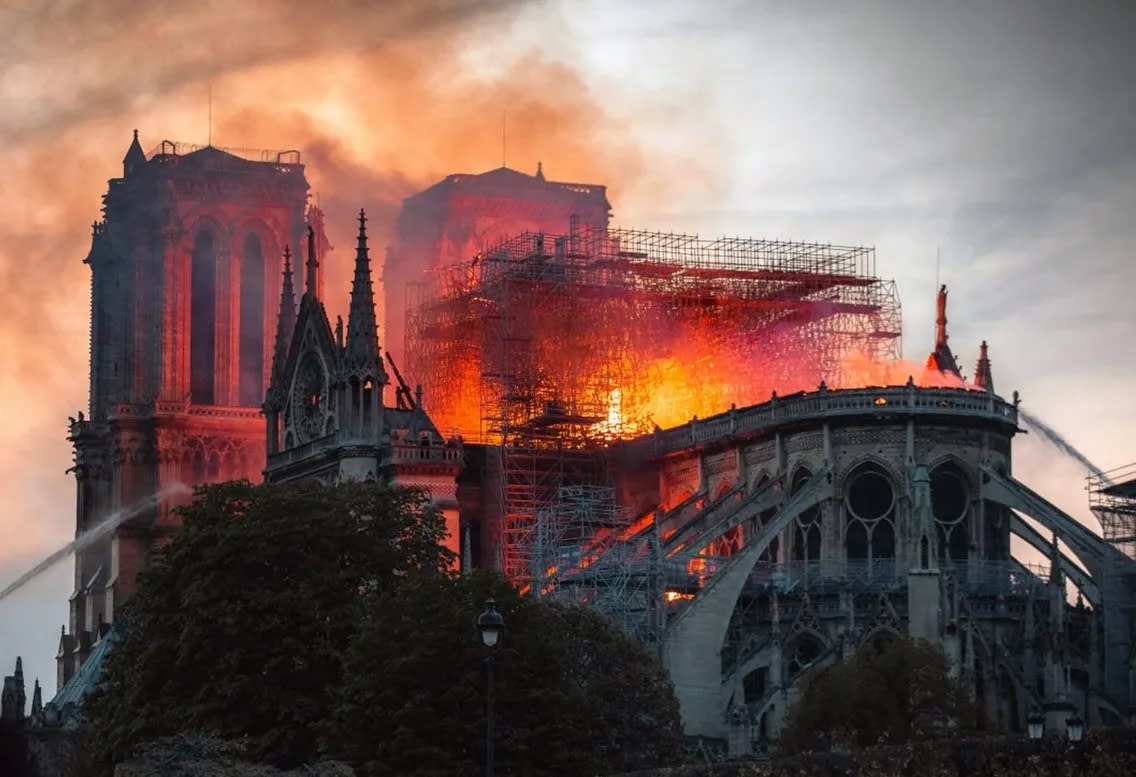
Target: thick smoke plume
{"type": "Point", "coordinates": [382, 98]}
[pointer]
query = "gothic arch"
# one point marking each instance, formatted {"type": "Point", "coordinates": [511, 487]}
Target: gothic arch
{"type": "Point", "coordinates": [801, 650]}
{"type": "Point", "coordinates": [869, 498]}
{"type": "Point", "coordinates": [800, 469]}
{"type": "Point", "coordinates": [675, 496]}
{"type": "Point", "coordinates": [252, 253]}
{"type": "Point", "coordinates": [772, 553]}
{"type": "Point", "coordinates": [964, 467]}
{"type": "Point", "coordinates": [760, 479]}
{"type": "Point", "coordinates": [804, 533]}
{"type": "Point", "coordinates": [877, 635]}
{"type": "Point", "coordinates": [206, 242]}
{"type": "Point", "coordinates": [952, 503]}
{"type": "Point", "coordinates": [211, 221]}
{"type": "Point", "coordinates": [868, 460]}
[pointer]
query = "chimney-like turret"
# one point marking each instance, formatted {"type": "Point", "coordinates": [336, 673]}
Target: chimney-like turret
{"type": "Point", "coordinates": [983, 377]}
{"type": "Point", "coordinates": [135, 158]}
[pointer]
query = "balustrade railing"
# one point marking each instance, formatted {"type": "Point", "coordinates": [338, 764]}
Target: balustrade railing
{"type": "Point", "coordinates": [899, 401]}
{"type": "Point", "coordinates": [983, 578]}
{"type": "Point", "coordinates": [420, 453]}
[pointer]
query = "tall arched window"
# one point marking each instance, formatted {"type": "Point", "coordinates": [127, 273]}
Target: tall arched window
{"type": "Point", "coordinates": [806, 529]}
{"type": "Point", "coordinates": [869, 515]}
{"type": "Point", "coordinates": [251, 393]}
{"type": "Point", "coordinates": [202, 318]}
{"type": "Point", "coordinates": [771, 552]}
{"type": "Point", "coordinates": [951, 507]}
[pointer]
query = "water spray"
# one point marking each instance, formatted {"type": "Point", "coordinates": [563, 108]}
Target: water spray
{"type": "Point", "coordinates": [1050, 435]}
{"type": "Point", "coordinates": [96, 533]}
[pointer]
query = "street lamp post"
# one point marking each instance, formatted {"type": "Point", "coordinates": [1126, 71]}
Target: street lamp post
{"type": "Point", "coordinates": [491, 624]}
{"type": "Point", "coordinates": [1035, 725]}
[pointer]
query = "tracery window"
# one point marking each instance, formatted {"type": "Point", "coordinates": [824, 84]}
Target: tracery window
{"type": "Point", "coordinates": [772, 551]}
{"type": "Point", "coordinates": [806, 529]}
{"type": "Point", "coordinates": [804, 650]}
{"type": "Point", "coordinates": [869, 515]}
{"type": "Point", "coordinates": [950, 505]}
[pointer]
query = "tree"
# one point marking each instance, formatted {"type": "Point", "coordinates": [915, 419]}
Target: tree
{"type": "Point", "coordinates": [195, 755]}
{"type": "Point", "coordinates": [240, 625]}
{"type": "Point", "coordinates": [574, 695]}
{"type": "Point", "coordinates": [895, 691]}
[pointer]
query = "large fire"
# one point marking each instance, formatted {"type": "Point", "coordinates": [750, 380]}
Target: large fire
{"type": "Point", "coordinates": [592, 341]}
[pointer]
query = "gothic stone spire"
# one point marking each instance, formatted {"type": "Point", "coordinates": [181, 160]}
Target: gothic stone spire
{"type": "Point", "coordinates": [312, 269]}
{"type": "Point", "coordinates": [285, 321]}
{"type": "Point", "coordinates": [362, 331]}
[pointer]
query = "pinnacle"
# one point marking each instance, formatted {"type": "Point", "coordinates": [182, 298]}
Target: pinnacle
{"type": "Point", "coordinates": [286, 320]}
{"type": "Point", "coordinates": [362, 330]}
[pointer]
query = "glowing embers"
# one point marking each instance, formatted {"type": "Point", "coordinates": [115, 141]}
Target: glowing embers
{"type": "Point", "coordinates": [612, 427]}
{"type": "Point", "coordinates": [950, 503]}
{"type": "Point", "coordinates": [869, 505]}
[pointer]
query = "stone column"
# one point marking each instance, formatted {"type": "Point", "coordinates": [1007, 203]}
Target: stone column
{"type": "Point", "coordinates": [173, 381]}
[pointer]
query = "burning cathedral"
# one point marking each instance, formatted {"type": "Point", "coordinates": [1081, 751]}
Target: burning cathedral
{"type": "Point", "coordinates": [709, 441]}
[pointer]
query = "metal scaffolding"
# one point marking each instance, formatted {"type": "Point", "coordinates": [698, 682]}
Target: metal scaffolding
{"type": "Point", "coordinates": [551, 346]}
{"type": "Point", "coordinates": [580, 552]}
{"type": "Point", "coordinates": [1112, 498]}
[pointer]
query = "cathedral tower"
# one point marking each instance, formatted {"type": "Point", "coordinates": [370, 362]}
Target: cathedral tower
{"type": "Point", "coordinates": [186, 273]}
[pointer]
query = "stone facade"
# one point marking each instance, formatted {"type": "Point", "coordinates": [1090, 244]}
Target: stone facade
{"type": "Point", "coordinates": [325, 409]}
{"type": "Point", "coordinates": [791, 533]}
{"type": "Point", "coordinates": [185, 274]}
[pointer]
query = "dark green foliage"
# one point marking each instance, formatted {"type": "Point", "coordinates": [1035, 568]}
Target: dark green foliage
{"type": "Point", "coordinates": [894, 692]}
{"type": "Point", "coordinates": [574, 695]}
{"type": "Point", "coordinates": [194, 755]}
{"type": "Point", "coordinates": [15, 759]}
{"type": "Point", "coordinates": [240, 624]}
{"type": "Point", "coordinates": [1104, 753]}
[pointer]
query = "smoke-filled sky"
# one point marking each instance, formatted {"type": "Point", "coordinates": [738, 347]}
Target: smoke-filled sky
{"type": "Point", "coordinates": [1000, 135]}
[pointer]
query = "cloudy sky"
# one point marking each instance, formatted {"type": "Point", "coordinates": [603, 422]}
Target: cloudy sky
{"type": "Point", "coordinates": [1000, 135]}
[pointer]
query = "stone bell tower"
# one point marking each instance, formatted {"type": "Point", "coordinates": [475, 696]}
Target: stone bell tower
{"type": "Point", "coordinates": [185, 283]}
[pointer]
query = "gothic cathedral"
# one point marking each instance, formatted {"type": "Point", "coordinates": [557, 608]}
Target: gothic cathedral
{"type": "Point", "coordinates": [186, 270]}
{"type": "Point", "coordinates": [325, 409]}
{"type": "Point", "coordinates": [193, 318]}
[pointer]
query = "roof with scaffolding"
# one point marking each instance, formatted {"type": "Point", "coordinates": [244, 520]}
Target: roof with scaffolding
{"type": "Point", "coordinates": [553, 345]}
{"type": "Point", "coordinates": [564, 321]}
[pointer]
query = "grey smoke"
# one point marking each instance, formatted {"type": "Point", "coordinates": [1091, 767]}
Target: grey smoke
{"type": "Point", "coordinates": [1050, 435]}
{"type": "Point", "coordinates": [94, 534]}
{"type": "Point", "coordinates": [104, 40]}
